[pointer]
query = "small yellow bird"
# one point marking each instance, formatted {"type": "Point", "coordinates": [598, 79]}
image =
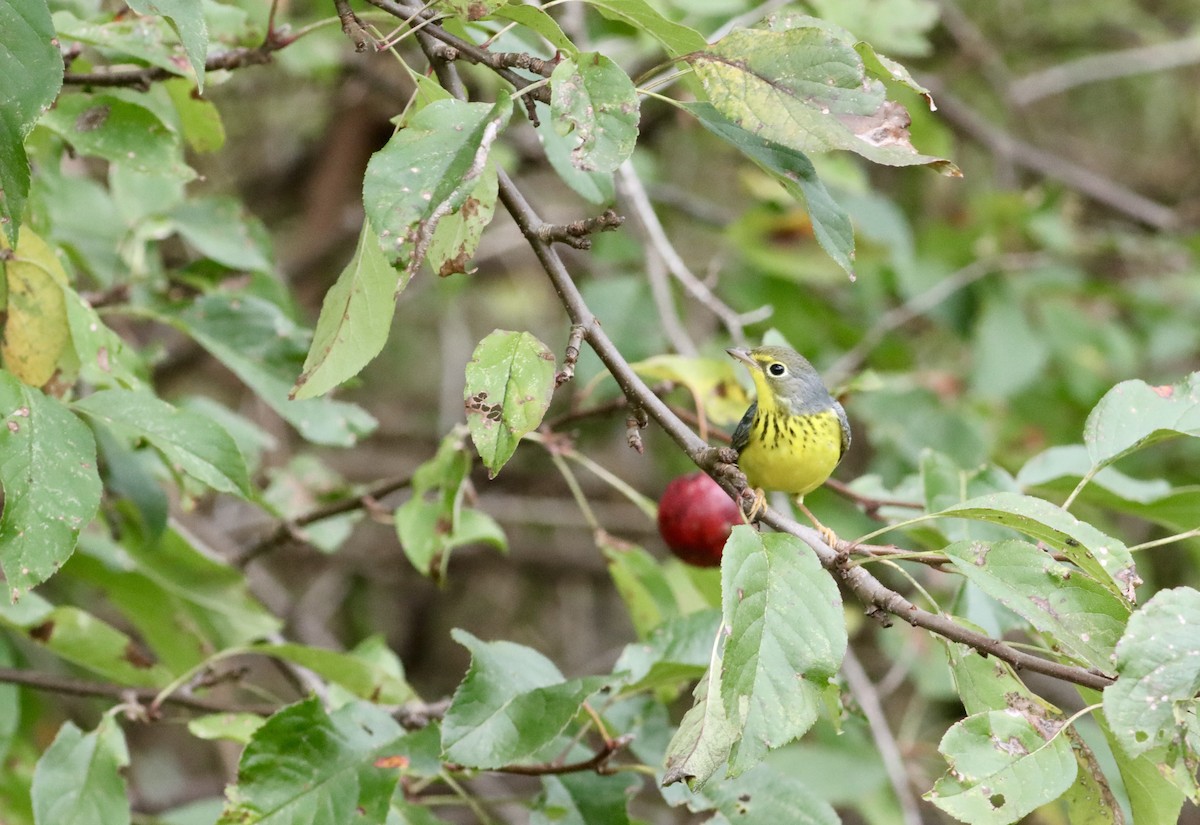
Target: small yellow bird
{"type": "Point", "coordinates": [795, 434]}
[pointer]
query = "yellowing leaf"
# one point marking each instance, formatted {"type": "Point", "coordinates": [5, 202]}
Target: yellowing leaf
{"type": "Point", "coordinates": [35, 331]}
{"type": "Point", "coordinates": [712, 382]}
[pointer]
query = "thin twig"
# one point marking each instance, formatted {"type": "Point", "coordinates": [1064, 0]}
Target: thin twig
{"type": "Point", "coordinates": [570, 357]}
{"type": "Point", "coordinates": [1094, 185]}
{"type": "Point", "coordinates": [885, 742]}
{"type": "Point", "coordinates": [634, 193]}
{"type": "Point", "coordinates": [596, 762]}
{"type": "Point", "coordinates": [352, 26]}
{"type": "Point", "coordinates": [291, 529]}
{"type": "Point", "coordinates": [52, 683]}
{"type": "Point", "coordinates": [143, 78]}
{"type": "Point", "coordinates": [1097, 68]}
{"type": "Point", "coordinates": [576, 233]}
{"type": "Point", "coordinates": [920, 304]}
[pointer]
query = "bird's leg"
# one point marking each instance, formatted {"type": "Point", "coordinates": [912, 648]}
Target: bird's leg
{"type": "Point", "coordinates": [757, 499]}
{"type": "Point", "coordinates": [831, 538]}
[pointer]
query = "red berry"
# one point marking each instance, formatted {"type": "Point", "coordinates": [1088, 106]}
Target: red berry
{"type": "Point", "coordinates": [694, 518]}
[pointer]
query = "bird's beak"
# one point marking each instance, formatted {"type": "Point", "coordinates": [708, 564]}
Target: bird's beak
{"type": "Point", "coordinates": [743, 355]}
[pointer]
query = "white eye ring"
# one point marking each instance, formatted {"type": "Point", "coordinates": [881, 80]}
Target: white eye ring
{"type": "Point", "coordinates": [777, 369]}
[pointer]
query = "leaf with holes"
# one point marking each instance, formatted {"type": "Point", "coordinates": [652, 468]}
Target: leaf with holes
{"type": "Point", "coordinates": [807, 89]}
{"type": "Point", "coordinates": [1083, 617]}
{"type": "Point", "coordinates": [510, 379]}
{"type": "Point", "coordinates": [457, 235]}
{"type": "Point", "coordinates": [1152, 706]}
{"type": "Point", "coordinates": [426, 171]}
{"type": "Point", "coordinates": [593, 103]}
{"type": "Point", "coordinates": [1103, 557]}
{"type": "Point", "coordinates": [1004, 764]}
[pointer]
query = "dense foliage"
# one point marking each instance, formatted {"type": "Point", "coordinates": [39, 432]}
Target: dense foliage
{"type": "Point", "coordinates": [218, 216]}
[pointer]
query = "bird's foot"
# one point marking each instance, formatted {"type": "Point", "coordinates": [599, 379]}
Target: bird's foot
{"type": "Point", "coordinates": [831, 538]}
{"type": "Point", "coordinates": [754, 502]}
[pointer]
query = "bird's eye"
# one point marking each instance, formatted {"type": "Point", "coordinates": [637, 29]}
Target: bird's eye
{"type": "Point", "coordinates": [777, 369]}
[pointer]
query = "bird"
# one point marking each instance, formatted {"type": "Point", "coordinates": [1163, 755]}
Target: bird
{"type": "Point", "coordinates": [794, 434]}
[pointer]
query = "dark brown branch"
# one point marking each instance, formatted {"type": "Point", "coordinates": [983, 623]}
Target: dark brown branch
{"type": "Point", "coordinates": [143, 78]}
{"type": "Point", "coordinates": [466, 50]}
{"type": "Point", "coordinates": [576, 233]}
{"type": "Point", "coordinates": [352, 26]}
{"type": "Point", "coordinates": [291, 529]}
{"type": "Point", "coordinates": [105, 690]}
{"type": "Point", "coordinates": [521, 60]}
{"type": "Point", "coordinates": [718, 462]}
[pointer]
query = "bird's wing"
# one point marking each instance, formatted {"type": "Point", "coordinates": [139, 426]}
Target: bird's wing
{"type": "Point", "coordinates": [741, 435]}
{"type": "Point", "coordinates": [845, 422]}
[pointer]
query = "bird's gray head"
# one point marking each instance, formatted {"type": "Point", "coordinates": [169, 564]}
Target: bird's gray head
{"type": "Point", "coordinates": [785, 379]}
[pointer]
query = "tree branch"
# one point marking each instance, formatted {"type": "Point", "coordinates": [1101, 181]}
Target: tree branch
{"type": "Point", "coordinates": [143, 78]}
{"type": "Point", "coordinates": [106, 690]}
{"type": "Point", "coordinates": [718, 463]}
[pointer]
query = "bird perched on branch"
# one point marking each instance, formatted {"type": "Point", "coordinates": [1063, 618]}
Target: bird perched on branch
{"type": "Point", "coordinates": [795, 433]}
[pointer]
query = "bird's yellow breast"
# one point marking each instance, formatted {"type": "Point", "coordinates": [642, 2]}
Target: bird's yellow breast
{"type": "Point", "coordinates": [792, 453]}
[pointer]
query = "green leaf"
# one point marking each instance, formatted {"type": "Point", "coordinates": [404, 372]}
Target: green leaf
{"type": "Point", "coordinates": [642, 585]}
{"type": "Point", "coordinates": [129, 36]}
{"type": "Point", "coordinates": [430, 527]}
{"type": "Point", "coordinates": [427, 170]}
{"type": "Point", "coordinates": [233, 727]}
{"type": "Point", "coordinates": [263, 347]}
{"type": "Point", "coordinates": [795, 172]}
{"type": "Point", "coordinates": [78, 779]}
{"type": "Point", "coordinates": [1104, 558]}
{"type": "Point", "coordinates": [1153, 799]}
{"type": "Point", "coordinates": [303, 761]}
{"type": "Point", "coordinates": [35, 331]}
{"type": "Point", "coordinates": [32, 65]}
{"type": "Point", "coordinates": [199, 119]}
{"type": "Point", "coordinates": [1003, 765]}
{"type": "Point", "coordinates": [1152, 706]}
{"type": "Point", "coordinates": [895, 26]}
{"type": "Point", "coordinates": [363, 678]}
{"type": "Point", "coordinates": [769, 796]}
{"type": "Point", "coordinates": [594, 102]}
{"type": "Point", "coordinates": [787, 639]}
{"type": "Point", "coordinates": [51, 487]}
{"type": "Point", "coordinates": [112, 128]}
{"type": "Point", "coordinates": [512, 703]}
{"type": "Point", "coordinates": [584, 799]}
{"type": "Point", "coordinates": [105, 360]}
{"type": "Point", "coordinates": [80, 638]}
{"type": "Point", "coordinates": [510, 379]}
{"type": "Point", "coordinates": [1009, 354]}
{"type": "Point", "coordinates": [1080, 614]}
{"type": "Point", "coordinates": [189, 443]}
{"type": "Point", "coordinates": [678, 650]}
{"type": "Point", "coordinates": [536, 19]}
{"type": "Point", "coordinates": [705, 737]}
{"type": "Point", "coordinates": [594, 187]}
{"type": "Point", "coordinates": [676, 38]}
{"type": "Point", "coordinates": [457, 235]}
{"type": "Point", "coordinates": [221, 229]}
{"type": "Point", "coordinates": [187, 19]}
{"type": "Point", "coordinates": [10, 703]}
{"type": "Point", "coordinates": [356, 317]}
{"type": "Point", "coordinates": [807, 89]}
{"type": "Point", "coordinates": [148, 577]}
{"type": "Point", "coordinates": [1133, 415]}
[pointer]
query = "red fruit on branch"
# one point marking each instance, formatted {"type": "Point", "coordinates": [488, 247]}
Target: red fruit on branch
{"type": "Point", "coordinates": [694, 518]}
